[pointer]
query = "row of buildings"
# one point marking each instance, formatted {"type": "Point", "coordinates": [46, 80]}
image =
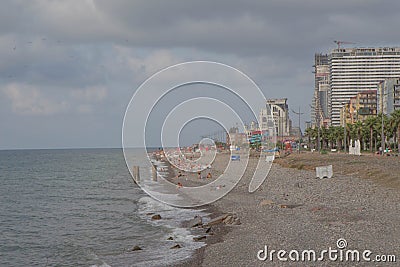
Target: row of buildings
{"type": "Point", "coordinates": [273, 121]}
{"type": "Point", "coordinates": [354, 83]}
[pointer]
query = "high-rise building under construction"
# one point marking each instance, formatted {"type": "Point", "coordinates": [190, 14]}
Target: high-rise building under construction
{"type": "Point", "coordinates": [350, 71]}
{"type": "Point", "coordinates": [321, 100]}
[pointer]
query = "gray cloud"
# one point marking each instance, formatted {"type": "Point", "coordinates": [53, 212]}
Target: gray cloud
{"type": "Point", "coordinates": [66, 64]}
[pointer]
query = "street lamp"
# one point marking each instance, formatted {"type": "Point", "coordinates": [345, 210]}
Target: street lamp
{"type": "Point", "coordinates": [298, 113]}
{"type": "Point", "coordinates": [279, 130]}
{"type": "Point", "coordinates": [318, 125]}
{"type": "Point", "coordinates": [317, 121]}
{"type": "Point", "coordinates": [382, 126]}
{"type": "Point", "coordinates": [345, 137]}
{"type": "Point", "coordinates": [344, 126]}
{"type": "Point", "coordinates": [382, 136]}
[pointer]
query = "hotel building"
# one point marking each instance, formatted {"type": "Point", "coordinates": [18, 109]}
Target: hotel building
{"type": "Point", "coordinates": [354, 70]}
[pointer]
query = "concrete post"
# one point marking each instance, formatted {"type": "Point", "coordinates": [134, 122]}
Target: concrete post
{"type": "Point", "coordinates": [136, 174]}
{"type": "Point", "coordinates": [154, 173]}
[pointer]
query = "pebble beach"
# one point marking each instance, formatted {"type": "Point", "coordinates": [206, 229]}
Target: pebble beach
{"type": "Point", "coordinates": [294, 210]}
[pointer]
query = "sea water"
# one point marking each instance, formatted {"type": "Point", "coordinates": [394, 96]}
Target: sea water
{"type": "Point", "coordinates": [80, 207]}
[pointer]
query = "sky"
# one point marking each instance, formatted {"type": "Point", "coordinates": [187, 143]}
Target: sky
{"type": "Point", "coordinates": [68, 69]}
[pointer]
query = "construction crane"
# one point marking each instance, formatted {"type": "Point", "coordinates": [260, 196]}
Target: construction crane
{"type": "Point", "coordinates": [341, 42]}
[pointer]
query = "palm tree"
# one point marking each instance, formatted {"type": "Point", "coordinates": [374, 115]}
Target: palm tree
{"type": "Point", "coordinates": [365, 135]}
{"type": "Point", "coordinates": [395, 125]}
{"type": "Point", "coordinates": [308, 133]}
{"type": "Point", "coordinates": [324, 136]}
{"type": "Point", "coordinates": [348, 133]}
{"type": "Point", "coordinates": [351, 133]}
{"type": "Point", "coordinates": [358, 130]}
{"type": "Point", "coordinates": [339, 131]}
{"type": "Point", "coordinates": [332, 136]}
{"type": "Point", "coordinates": [370, 123]}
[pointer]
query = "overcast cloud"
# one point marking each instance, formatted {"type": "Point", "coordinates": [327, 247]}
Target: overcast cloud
{"type": "Point", "coordinates": [69, 68]}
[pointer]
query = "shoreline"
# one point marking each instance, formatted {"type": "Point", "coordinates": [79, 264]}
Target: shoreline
{"type": "Point", "coordinates": [219, 230]}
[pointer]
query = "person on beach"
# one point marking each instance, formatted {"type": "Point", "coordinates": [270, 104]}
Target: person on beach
{"type": "Point", "coordinates": [179, 174]}
{"type": "Point", "coordinates": [179, 185]}
{"type": "Point", "coordinates": [209, 175]}
{"type": "Point", "coordinates": [199, 174]}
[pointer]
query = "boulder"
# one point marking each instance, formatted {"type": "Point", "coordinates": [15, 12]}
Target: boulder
{"type": "Point", "coordinates": [136, 248]}
{"type": "Point", "coordinates": [232, 220]}
{"type": "Point", "coordinates": [156, 217]}
{"type": "Point", "coordinates": [170, 238]}
{"type": "Point", "coordinates": [196, 221]}
{"type": "Point", "coordinates": [228, 220]}
{"type": "Point", "coordinates": [236, 221]}
{"type": "Point", "coordinates": [176, 246]}
{"type": "Point", "coordinates": [217, 220]}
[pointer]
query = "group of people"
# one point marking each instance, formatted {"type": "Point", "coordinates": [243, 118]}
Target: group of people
{"type": "Point", "coordinates": [179, 161]}
{"type": "Point", "coordinates": [185, 161]}
{"type": "Point", "coordinates": [199, 176]}
{"type": "Point", "coordinates": [209, 176]}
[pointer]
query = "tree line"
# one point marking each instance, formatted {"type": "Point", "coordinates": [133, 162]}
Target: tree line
{"type": "Point", "coordinates": [369, 132]}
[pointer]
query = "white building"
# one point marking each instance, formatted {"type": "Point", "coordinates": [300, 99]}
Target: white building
{"type": "Point", "coordinates": [353, 70]}
{"type": "Point", "coordinates": [280, 112]}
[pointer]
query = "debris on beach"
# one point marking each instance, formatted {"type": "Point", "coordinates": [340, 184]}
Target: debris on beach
{"type": "Point", "coordinates": [290, 206]}
{"type": "Point", "coordinates": [235, 158]}
{"type": "Point", "coordinates": [156, 217]}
